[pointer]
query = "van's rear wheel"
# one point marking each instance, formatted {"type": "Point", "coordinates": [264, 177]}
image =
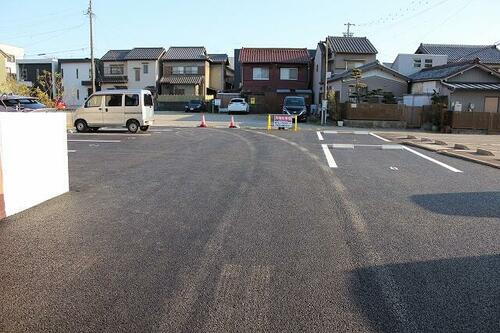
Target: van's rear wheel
{"type": "Point", "coordinates": [81, 126]}
{"type": "Point", "coordinates": [144, 128]}
{"type": "Point", "coordinates": [133, 126]}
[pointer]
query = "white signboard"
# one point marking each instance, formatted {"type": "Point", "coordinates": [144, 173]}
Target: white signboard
{"type": "Point", "coordinates": [283, 121]}
{"type": "Point", "coordinates": [217, 102]}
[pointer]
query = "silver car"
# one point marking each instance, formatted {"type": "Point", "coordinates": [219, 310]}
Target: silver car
{"type": "Point", "coordinates": [15, 103]}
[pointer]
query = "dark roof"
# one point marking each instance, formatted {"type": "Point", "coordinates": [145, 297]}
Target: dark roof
{"type": "Point", "coordinates": [366, 67]}
{"type": "Point", "coordinates": [275, 55]}
{"type": "Point", "coordinates": [222, 58]}
{"type": "Point", "coordinates": [145, 53]}
{"type": "Point", "coordinates": [473, 86]}
{"type": "Point", "coordinates": [448, 70]}
{"type": "Point", "coordinates": [186, 53]}
{"type": "Point", "coordinates": [75, 60]}
{"type": "Point", "coordinates": [115, 55]}
{"type": "Point", "coordinates": [488, 54]}
{"type": "Point", "coordinates": [182, 79]}
{"type": "Point", "coordinates": [312, 53]}
{"type": "Point", "coordinates": [358, 45]}
{"type": "Point", "coordinates": [113, 79]}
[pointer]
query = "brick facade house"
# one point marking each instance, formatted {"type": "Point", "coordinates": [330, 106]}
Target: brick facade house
{"type": "Point", "coordinates": [268, 75]}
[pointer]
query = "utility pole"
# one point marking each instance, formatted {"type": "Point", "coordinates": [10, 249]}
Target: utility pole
{"type": "Point", "coordinates": [349, 33]}
{"type": "Point", "coordinates": [324, 105]}
{"type": "Point", "coordinates": [92, 62]}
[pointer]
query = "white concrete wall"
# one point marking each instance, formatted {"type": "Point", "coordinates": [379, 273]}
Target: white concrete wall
{"type": "Point", "coordinates": [404, 62]}
{"type": "Point", "coordinates": [34, 158]}
{"type": "Point", "coordinates": [73, 86]}
{"type": "Point", "coordinates": [317, 75]}
{"type": "Point", "coordinates": [146, 80]}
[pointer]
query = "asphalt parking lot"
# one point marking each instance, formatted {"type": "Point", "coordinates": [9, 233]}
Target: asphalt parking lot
{"type": "Point", "coordinates": [218, 230]}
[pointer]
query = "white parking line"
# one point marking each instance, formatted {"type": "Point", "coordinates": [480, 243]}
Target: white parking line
{"type": "Point", "coordinates": [109, 134]}
{"type": "Point", "coordinates": [330, 132]}
{"type": "Point", "coordinates": [379, 137]}
{"type": "Point", "coordinates": [100, 141]}
{"type": "Point", "coordinates": [342, 146]}
{"type": "Point", "coordinates": [320, 137]}
{"type": "Point", "coordinates": [71, 151]}
{"type": "Point", "coordinates": [329, 157]}
{"type": "Point", "coordinates": [433, 160]}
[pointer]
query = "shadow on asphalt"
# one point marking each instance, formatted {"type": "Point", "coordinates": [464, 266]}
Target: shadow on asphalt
{"type": "Point", "coordinates": [450, 295]}
{"type": "Point", "coordinates": [476, 204]}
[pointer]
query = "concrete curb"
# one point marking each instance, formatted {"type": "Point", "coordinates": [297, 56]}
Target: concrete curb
{"type": "Point", "coordinates": [425, 147]}
{"type": "Point", "coordinates": [469, 158]}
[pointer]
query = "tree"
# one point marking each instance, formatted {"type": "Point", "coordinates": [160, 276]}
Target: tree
{"type": "Point", "coordinates": [45, 81]}
{"type": "Point", "coordinates": [357, 75]}
{"type": "Point", "coordinates": [11, 86]}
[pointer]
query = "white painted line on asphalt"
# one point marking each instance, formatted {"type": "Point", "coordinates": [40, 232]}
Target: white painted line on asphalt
{"type": "Point", "coordinates": [329, 157]}
{"type": "Point", "coordinates": [71, 151]}
{"type": "Point", "coordinates": [330, 132]}
{"type": "Point", "coordinates": [320, 137]}
{"type": "Point", "coordinates": [379, 137]}
{"type": "Point", "coordinates": [112, 134]}
{"type": "Point", "coordinates": [100, 141]}
{"type": "Point", "coordinates": [432, 160]}
{"type": "Point", "coordinates": [361, 132]}
{"type": "Point", "coordinates": [343, 146]}
{"type": "Point", "coordinates": [394, 168]}
{"type": "Point", "coordinates": [392, 147]}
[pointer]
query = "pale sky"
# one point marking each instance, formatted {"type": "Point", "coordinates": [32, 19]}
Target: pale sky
{"type": "Point", "coordinates": [59, 28]}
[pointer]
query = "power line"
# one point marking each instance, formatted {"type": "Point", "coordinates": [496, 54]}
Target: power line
{"type": "Point", "coordinates": [46, 32]}
{"type": "Point", "coordinates": [39, 54]}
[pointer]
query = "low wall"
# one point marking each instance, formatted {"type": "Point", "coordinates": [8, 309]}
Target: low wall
{"type": "Point", "coordinates": [33, 159]}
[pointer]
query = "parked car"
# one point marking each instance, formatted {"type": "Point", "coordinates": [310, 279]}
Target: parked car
{"type": "Point", "coordinates": [195, 106]}
{"type": "Point", "coordinates": [132, 109]}
{"type": "Point", "coordinates": [238, 105]}
{"type": "Point", "coordinates": [14, 103]}
{"type": "Point", "coordinates": [295, 106]}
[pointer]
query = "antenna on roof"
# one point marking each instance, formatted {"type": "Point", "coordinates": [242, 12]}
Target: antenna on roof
{"type": "Point", "coordinates": [349, 33]}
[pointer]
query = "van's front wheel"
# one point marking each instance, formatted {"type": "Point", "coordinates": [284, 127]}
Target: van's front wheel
{"type": "Point", "coordinates": [81, 126]}
{"type": "Point", "coordinates": [133, 126]}
{"type": "Point", "coordinates": [144, 128]}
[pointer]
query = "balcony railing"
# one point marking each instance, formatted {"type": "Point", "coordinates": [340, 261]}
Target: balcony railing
{"type": "Point", "coordinates": [114, 71]}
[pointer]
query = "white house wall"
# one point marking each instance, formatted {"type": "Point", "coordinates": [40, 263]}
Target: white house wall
{"type": "Point", "coordinates": [317, 75]}
{"type": "Point", "coordinates": [74, 93]}
{"type": "Point", "coordinates": [146, 80]}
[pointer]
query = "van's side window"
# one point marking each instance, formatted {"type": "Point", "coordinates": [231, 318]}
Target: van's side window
{"type": "Point", "coordinates": [114, 100]}
{"type": "Point", "coordinates": [94, 102]}
{"type": "Point", "coordinates": [131, 100]}
{"type": "Point", "coordinates": [148, 100]}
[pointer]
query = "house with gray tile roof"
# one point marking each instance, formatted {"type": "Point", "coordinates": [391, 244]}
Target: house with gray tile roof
{"type": "Point", "coordinates": [137, 68]}
{"type": "Point", "coordinates": [189, 72]}
{"type": "Point", "coordinates": [488, 54]}
{"type": "Point", "coordinates": [344, 53]}
{"type": "Point", "coordinates": [468, 85]}
{"type": "Point", "coordinates": [375, 76]}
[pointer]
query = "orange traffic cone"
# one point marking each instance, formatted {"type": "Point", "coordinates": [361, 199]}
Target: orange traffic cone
{"type": "Point", "coordinates": [232, 124]}
{"type": "Point", "coordinates": [203, 122]}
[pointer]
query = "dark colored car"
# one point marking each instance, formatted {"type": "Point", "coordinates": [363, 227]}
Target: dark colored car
{"type": "Point", "coordinates": [15, 103]}
{"type": "Point", "coordinates": [295, 106]}
{"type": "Point", "coordinates": [195, 106]}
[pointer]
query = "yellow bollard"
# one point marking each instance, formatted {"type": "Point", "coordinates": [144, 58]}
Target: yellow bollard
{"type": "Point", "coordinates": [269, 122]}
{"type": "Point", "coordinates": [296, 126]}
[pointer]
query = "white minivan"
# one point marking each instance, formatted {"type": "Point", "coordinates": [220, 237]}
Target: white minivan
{"type": "Point", "coordinates": [132, 109]}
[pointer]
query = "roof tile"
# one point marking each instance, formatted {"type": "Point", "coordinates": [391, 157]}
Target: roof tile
{"type": "Point", "coordinates": [488, 54]}
{"type": "Point", "coordinates": [186, 53]}
{"type": "Point", "coordinates": [275, 55]}
{"type": "Point", "coordinates": [357, 45]}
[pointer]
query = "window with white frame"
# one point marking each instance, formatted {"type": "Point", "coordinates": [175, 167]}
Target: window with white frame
{"type": "Point", "coordinates": [261, 73]}
{"type": "Point", "coordinates": [289, 73]}
{"type": "Point", "coordinates": [145, 68]}
{"type": "Point", "coordinates": [417, 63]}
{"type": "Point", "coordinates": [428, 63]}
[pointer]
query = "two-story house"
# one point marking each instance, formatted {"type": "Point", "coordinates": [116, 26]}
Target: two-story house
{"type": "Point", "coordinates": [343, 54]}
{"type": "Point", "coordinates": [221, 73]}
{"type": "Point", "coordinates": [138, 68]}
{"type": "Point", "coordinates": [76, 78]}
{"type": "Point", "coordinates": [11, 54]}
{"type": "Point", "coordinates": [30, 70]}
{"type": "Point", "coordinates": [268, 75]}
{"type": "Point", "coordinates": [186, 75]}
{"type": "Point", "coordinates": [489, 55]}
